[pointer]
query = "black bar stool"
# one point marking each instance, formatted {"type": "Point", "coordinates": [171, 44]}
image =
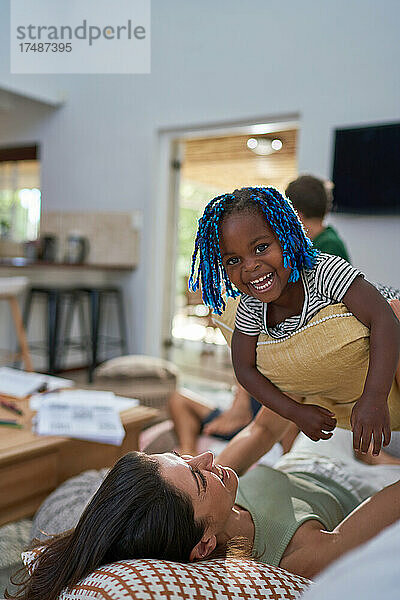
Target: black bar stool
{"type": "Point", "coordinates": [82, 342]}
{"type": "Point", "coordinates": [60, 302]}
{"type": "Point", "coordinates": [98, 298]}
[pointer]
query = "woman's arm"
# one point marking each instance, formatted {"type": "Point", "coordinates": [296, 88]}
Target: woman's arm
{"type": "Point", "coordinates": [312, 548]}
{"type": "Point", "coordinates": [370, 416]}
{"type": "Point", "coordinates": [313, 420]}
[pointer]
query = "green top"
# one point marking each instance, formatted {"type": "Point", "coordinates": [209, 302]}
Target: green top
{"type": "Point", "coordinates": [280, 502]}
{"type": "Point", "coordinates": [328, 241]}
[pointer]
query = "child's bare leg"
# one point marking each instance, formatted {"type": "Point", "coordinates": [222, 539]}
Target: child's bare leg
{"type": "Point", "coordinates": [395, 306]}
{"type": "Point", "coordinates": [234, 418]}
{"type": "Point", "coordinates": [187, 412]}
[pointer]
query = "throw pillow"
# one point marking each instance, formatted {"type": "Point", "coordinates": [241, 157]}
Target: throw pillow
{"type": "Point", "coordinates": [220, 579]}
{"type": "Point", "coordinates": [137, 366]}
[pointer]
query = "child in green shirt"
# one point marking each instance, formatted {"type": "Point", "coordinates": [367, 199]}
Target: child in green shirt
{"type": "Point", "coordinates": [312, 200]}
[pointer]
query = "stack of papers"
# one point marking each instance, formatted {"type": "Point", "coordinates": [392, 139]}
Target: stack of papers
{"type": "Point", "coordinates": [93, 423]}
{"type": "Point", "coordinates": [20, 384]}
{"type": "Point", "coordinates": [81, 414]}
{"type": "Point", "coordinates": [86, 397]}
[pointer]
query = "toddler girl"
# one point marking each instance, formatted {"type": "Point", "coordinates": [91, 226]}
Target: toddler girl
{"type": "Point", "coordinates": [251, 244]}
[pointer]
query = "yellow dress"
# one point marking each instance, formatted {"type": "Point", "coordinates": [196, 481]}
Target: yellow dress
{"type": "Point", "coordinates": [325, 362]}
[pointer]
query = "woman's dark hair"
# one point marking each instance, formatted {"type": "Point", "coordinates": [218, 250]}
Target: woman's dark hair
{"type": "Point", "coordinates": [279, 214]}
{"type": "Point", "coordinates": [135, 513]}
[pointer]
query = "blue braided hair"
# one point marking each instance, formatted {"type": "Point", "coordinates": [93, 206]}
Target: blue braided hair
{"type": "Point", "coordinates": [297, 248]}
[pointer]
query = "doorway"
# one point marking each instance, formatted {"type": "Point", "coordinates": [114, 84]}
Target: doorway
{"type": "Point", "coordinates": [206, 166]}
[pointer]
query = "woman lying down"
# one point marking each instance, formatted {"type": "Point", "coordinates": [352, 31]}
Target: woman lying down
{"type": "Point", "coordinates": [301, 515]}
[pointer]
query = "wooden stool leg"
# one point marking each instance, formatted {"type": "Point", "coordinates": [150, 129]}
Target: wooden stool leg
{"type": "Point", "coordinates": [21, 334]}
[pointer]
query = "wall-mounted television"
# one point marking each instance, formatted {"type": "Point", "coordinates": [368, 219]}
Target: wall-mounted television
{"type": "Point", "coordinates": [366, 170]}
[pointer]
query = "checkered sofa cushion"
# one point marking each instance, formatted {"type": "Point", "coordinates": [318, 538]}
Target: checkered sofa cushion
{"type": "Point", "coordinates": [220, 579]}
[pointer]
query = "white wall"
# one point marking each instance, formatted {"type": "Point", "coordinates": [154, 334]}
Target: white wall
{"type": "Point", "coordinates": [334, 63]}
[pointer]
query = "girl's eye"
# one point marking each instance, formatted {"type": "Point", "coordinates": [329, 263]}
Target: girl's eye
{"type": "Point", "coordinates": [261, 248]}
{"type": "Point", "coordinates": [232, 261]}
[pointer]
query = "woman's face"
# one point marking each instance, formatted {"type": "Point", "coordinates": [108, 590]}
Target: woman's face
{"type": "Point", "coordinates": [211, 487]}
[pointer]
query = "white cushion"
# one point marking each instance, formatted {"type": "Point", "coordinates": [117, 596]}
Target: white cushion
{"type": "Point", "coordinates": [137, 366]}
{"type": "Point", "coordinates": [12, 286]}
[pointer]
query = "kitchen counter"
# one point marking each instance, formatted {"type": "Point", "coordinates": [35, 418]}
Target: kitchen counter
{"type": "Point", "coordinates": [66, 274]}
{"type": "Point", "coordinates": [21, 263]}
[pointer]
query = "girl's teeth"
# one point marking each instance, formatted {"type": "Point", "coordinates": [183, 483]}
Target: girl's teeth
{"type": "Point", "coordinates": [265, 281]}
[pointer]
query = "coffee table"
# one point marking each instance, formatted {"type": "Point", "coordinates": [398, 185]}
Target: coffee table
{"type": "Point", "coordinates": [31, 466]}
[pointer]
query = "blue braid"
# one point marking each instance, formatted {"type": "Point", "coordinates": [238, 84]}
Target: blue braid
{"type": "Point", "coordinates": [297, 248]}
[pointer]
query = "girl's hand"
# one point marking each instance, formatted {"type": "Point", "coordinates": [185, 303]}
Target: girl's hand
{"type": "Point", "coordinates": [370, 417]}
{"type": "Point", "coordinates": [315, 421]}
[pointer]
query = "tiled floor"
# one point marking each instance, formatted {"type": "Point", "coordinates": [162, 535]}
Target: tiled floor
{"type": "Point", "coordinates": [204, 361]}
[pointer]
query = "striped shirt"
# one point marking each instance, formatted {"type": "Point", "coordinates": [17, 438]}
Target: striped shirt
{"type": "Point", "coordinates": [326, 283]}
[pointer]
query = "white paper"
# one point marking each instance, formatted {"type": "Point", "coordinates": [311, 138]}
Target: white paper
{"type": "Point", "coordinates": [20, 384]}
{"type": "Point", "coordinates": [55, 383]}
{"type": "Point", "coordinates": [86, 397]}
{"type": "Point", "coordinates": [80, 421]}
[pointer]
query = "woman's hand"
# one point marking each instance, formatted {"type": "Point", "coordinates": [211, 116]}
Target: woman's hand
{"type": "Point", "coordinates": [370, 418]}
{"type": "Point", "coordinates": [315, 421]}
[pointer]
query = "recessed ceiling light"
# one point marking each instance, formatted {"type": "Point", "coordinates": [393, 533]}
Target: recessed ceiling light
{"type": "Point", "coordinates": [276, 144]}
{"type": "Point", "coordinates": [264, 146]}
{"type": "Point", "coordinates": [252, 143]}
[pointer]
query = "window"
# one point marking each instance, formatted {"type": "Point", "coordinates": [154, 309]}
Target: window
{"type": "Point", "coordinates": [19, 193]}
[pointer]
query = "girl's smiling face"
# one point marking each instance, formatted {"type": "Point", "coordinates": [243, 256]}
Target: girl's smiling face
{"type": "Point", "coordinates": [252, 256]}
